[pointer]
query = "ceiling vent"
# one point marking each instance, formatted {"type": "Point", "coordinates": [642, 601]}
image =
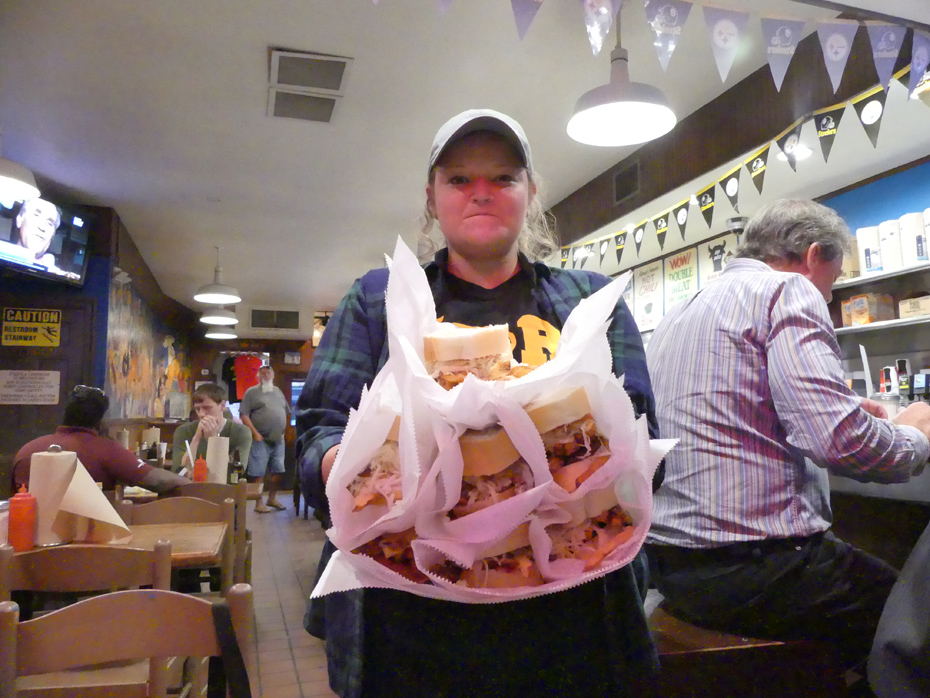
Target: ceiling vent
{"type": "Point", "coordinates": [626, 183]}
{"type": "Point", "coordinates": [306, 86]}
{"type": "Point", "coordinates": [272, 322]}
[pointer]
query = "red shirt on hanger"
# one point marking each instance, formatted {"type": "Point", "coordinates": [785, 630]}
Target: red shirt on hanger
{"type": "Point", "coordinates": [246, 367]}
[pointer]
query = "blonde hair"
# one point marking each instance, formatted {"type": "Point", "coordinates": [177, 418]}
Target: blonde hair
{"type": "Point", "coordinates": [537, 240]}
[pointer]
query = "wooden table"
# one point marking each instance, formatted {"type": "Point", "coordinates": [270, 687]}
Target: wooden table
{"type": "Point", "coordinates": [192, 544]}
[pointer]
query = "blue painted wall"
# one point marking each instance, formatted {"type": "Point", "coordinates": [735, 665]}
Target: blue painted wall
{"type": "Point", "coordinates": [905, 192]}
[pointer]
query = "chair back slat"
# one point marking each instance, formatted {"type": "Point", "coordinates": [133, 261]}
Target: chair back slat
{"type": "Point", "coordinates": [84, 568]}
{"type": "Point", "coordinates": [138, 624]}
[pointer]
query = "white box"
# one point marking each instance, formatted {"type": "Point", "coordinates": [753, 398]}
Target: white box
{"type": "Point", "coordinates": [912, 307]}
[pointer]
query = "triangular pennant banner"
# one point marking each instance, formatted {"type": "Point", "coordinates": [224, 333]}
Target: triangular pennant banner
{"type": "Point", "coordinates": [870, 106]}
{"type": "Point", "coordinates": [524, 11]}
{"type": "Point", "coordinates": [638, 233]}
{"type": "Point", "coordinates": [575, 255]}
{"type": "Point", "coordinates": [827, 123]}
{"type": "Point", "coordinates": [680, 212]}
{"type": "Point", "coordinates": [586, 253]}
{"type": "Point", "coordinates": [726, 32]}
{"type": "Point", "coordinates": [756, 166]}
{"type": "Point", "coordinates": [836, 40]}
{"type": "Point", "coordinates": [667, 19]}
{"type": "Point", "coordinates": [706, 202]}
{"type": "Point", "coordinates": [886, 40]}
{"type": "Point", "coordinates": [730, 185]}
{"type": "Point", "coordinates": [781, 40]}
{"type": "Point", "coordinates": [920, 59]}
{"type": "Point", "coordinates": [603, 246]}
{"type": "Point", "coordinates": [661, 224]}
{"type": "Point", "coordinates": [788, 142]}
{"type": "Point", "coordinates": [565, 252]}
{"type": "Point", "coordinates": [619, 242]}
{"type": "Point", "coordinates": [598, 18]}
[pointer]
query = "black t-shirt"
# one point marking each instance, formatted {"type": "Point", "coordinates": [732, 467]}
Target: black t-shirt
{"type": "Point", "coordinates": [534, 335]}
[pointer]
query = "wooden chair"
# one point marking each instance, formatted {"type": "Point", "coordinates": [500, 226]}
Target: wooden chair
{"type": "Point", "coordinates": [133, 625]}
{"type": "Point", "coordinates": [188, 510]}
{"type": "Point", "coordinates": [86, 569]}
{"type": "Point", "coordinates": [218, 493]}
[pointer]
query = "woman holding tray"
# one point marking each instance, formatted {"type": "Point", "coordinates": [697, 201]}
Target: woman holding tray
{"type": "Point", "coordinates": [588, 641]}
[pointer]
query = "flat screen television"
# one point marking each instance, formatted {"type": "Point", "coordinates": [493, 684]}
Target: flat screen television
{"type": "Point", "coordinates": [46, 239]}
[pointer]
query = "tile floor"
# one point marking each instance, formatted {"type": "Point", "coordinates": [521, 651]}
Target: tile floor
{"type": "Point", "coordinates": [285, 550]}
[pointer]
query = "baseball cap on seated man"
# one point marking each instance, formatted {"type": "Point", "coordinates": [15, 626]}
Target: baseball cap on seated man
{"type": "Point", "coordinates": [474, 120]}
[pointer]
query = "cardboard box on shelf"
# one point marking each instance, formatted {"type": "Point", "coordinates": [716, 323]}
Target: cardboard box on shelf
{"type": "Point", "coordinates": [850, 263]}
{"type": "Point", "coordinates": [846, 309]}
{"type": "Point", "coordinates": [912, 307]}
{"type": "Point", "coordinates": [872, 307]}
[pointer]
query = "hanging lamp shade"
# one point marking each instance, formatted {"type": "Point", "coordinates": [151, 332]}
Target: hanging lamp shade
{"type": "Point", "coordinates": [16, 182]}
{"type": "Point", "coordinates": [621, 112]}
{"type": "Point", "coordinates": [219, 316]}
{"type": "Point", "coordinates": [217, 293]}
{"type": "Point", "coordinates": [216, 332]}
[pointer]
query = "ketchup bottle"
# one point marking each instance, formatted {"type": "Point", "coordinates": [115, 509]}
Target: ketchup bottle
{"type": "Point", "coordinates": [22, 532]}
{"type": "Point", "coordinates": [200, 469]}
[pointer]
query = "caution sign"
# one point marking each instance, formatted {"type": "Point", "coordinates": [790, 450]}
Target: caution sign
{"type": "Point", "coordinates": [31, 327]}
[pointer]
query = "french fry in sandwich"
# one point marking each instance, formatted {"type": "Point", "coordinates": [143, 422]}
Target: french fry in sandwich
{"type": "Point", "coordinates": [574, 447]}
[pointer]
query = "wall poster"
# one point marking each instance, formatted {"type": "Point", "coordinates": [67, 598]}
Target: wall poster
{"type": "Point", "coordinates": [713, 256]}
{"type": "Point", "coordinates": [680, 277]}
{"type": "Point", "coordinates": [647, 284]}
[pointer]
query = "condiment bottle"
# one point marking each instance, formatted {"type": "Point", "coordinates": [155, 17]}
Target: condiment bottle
{"type": "Point", "coordinates": [234, 467]}
{"type": "Point", "coordinates": [200, 469]}
{"type": "Point", "coordinates": [22, 531]}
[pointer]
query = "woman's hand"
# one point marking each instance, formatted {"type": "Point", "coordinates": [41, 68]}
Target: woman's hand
{"type": "Point", "coordinates": [328, 459]}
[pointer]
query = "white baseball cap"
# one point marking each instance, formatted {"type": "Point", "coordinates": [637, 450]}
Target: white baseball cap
{"type": "Point", "coordinates": [480, 120]}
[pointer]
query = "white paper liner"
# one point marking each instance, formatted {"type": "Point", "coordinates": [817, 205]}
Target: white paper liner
{"type": "Point", "coordinates": [434, 418]}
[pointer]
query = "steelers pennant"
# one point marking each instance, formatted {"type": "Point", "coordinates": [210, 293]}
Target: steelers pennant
{"type": "Point", "coordinates": [638, 233]}
{"type": "Point", "coordinates": [730, 185]}
{"type": "Point", "coordinates": [756, 166]}
{"type": "Point", "coordinates": [706, 199]}
{"type": "Point", "coordinates": [661, 224]}
{"type": "Point", "coordinates": [619, 243]}
{"type": "Point", "coordinates": [870, 106]}
{"type": "Point", "coordinates": [788, 142]}
{"type": "Point", "coordinates": [680, 213]}
{"type": "Point", "coordinates": [603, 245]}
{"type": "Point", "coordinates": [565, 253]}
{"type": "Point", "coordinates": [827, 123]}
{"type": "Point", "coordinates": [836, 40]}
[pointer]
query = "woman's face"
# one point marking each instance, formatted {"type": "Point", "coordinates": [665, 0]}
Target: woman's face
{"type": "Point", "coordinates": [479, 195]}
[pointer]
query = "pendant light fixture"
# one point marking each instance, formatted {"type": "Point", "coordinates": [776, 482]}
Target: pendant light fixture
{"type": "Point", "coordinates": [219, 316]}
{"type": "Point", "coordinates": [620, 112]}
{"type": "Point", "coordinates": [16, 182]}
{"type": "Point", "coordinates": [217, 293]}
{"type": "Point", "coordinates": [216, 332]}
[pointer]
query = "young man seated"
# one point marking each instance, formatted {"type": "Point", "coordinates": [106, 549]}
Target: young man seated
{"type": "Point", "coordinates": [209, 403]}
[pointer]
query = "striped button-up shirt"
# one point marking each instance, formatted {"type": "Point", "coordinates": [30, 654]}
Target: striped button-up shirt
{"type": "Point", "coordinates": [747, 375]}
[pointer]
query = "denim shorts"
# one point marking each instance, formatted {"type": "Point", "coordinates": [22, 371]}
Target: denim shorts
{"type": "Point", "coordinates": [265, 455]}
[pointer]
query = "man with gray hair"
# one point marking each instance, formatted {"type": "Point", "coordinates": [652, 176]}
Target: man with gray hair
{"type": "Point", "coordinates": [747, 375]}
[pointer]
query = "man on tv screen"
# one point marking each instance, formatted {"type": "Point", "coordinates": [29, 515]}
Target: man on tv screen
{"type": "Point", "coordinates": [33, 231]}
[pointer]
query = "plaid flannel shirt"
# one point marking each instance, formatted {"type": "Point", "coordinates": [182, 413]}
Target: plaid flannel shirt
{"type": "Point", "coordinates": [353, 349]}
